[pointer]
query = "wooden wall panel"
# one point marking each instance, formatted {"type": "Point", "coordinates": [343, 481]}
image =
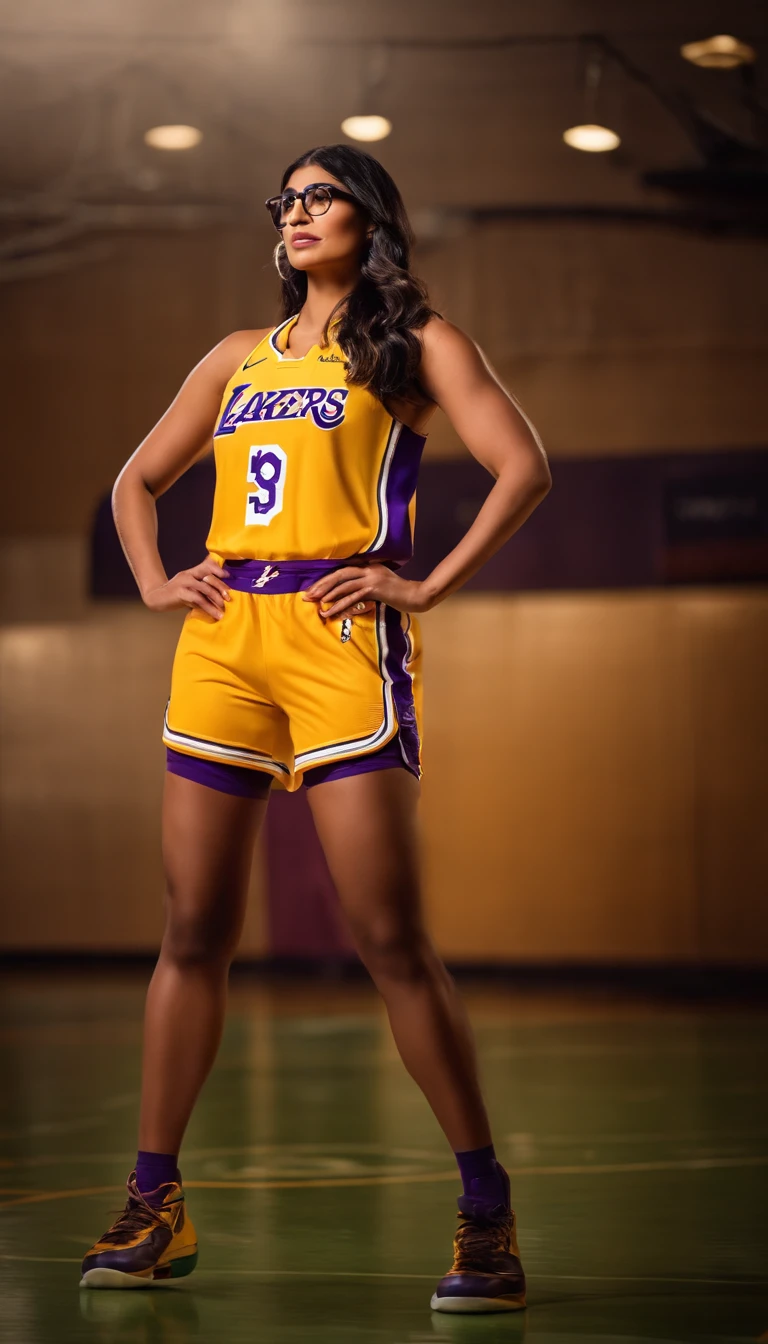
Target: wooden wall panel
{"type": "Point", "coordinates": [559, 778]}
{"type": "Point", "coordinates": [81, 781]}
{"type": "Point", "coordinates": [727, 644]}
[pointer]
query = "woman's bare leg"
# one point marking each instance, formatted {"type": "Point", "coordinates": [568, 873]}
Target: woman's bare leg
{"type": "Point", "coordinates": [208, 840]}
{"type": "Point", "coordinates": [368, 828]}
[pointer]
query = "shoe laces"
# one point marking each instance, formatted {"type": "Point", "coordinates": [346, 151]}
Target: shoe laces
{"type": "Point", "coordinates": [136, 1216]}
{"type": "Point", "coordinates": [475, 1239]}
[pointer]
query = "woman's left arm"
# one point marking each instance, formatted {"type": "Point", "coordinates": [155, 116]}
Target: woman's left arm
{"type": "Point", "coordinates": [485, 415]}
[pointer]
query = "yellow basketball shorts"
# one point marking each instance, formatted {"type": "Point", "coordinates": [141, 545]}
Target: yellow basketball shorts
{"type": "Point", "coordinates": [272, 687]}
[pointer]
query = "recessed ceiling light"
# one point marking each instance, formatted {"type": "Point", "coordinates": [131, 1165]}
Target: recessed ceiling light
{"type": "Point", "coordinates": [719, 53]}
{"type": "Point", "coordinates": [592, 139]}
{"type": "Point", "coordinates": [173, 137]}
{"type": "Point", "coordinates": [366, 128]}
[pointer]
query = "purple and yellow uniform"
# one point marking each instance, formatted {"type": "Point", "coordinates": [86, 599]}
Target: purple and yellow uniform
{"type": "Point", "coordinates": [312, 473]}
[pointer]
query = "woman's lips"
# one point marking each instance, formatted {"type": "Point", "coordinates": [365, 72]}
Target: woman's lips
{"type": "Point", "coordinates": [304, 242]}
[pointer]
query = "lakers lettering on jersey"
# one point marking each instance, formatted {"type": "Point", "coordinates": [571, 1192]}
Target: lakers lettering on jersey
{"type": "Point", "coordinates": [310, 470]}
{"type": "Point", "coordinates": [307, 465]}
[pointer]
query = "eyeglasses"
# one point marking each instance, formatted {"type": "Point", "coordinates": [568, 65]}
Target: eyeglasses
{"type": "Point", "coordinates": [316, 199]}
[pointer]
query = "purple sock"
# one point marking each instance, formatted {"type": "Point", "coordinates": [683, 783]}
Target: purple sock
{"type": "Point", "coordinates": [154, 1169]}
{"type": "Point", "coordinates": [481, 1176]}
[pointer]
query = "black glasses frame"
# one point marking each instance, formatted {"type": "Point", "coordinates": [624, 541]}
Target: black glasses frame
{"type": "Point", "coordinates": [274, 204]}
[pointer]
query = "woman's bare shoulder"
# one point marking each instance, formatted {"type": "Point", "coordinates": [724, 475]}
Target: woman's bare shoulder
{"type": "Point", "coordinates": [241, 343]}
{"type": "Point", "coordinates": [220, 363]}
{"type": "Point", "coordinates": [439, 333]}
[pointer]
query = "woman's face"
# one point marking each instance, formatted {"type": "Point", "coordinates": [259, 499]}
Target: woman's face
{"type": "Point", "coordinates": [339, 234]}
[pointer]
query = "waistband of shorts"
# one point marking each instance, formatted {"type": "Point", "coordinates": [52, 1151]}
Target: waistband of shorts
{"type": "Point", "coordinates": [282, 576]}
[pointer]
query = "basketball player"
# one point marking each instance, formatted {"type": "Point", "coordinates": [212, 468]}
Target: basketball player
{"type": "Point", "coordinates": [299, 661]}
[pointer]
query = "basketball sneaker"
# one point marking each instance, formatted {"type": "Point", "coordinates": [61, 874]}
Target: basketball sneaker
{"type": "Point", "coordinates": [486, 1274]}
{"type": "Point", "coordinates": [151, 1240]}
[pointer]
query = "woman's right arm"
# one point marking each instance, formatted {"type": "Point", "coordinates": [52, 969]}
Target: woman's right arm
{"type": "Point", "coordinates": [178, 439]}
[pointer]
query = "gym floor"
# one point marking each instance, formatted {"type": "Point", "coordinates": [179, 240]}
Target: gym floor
{"type": "Point", "coordinates": [634, 1127]}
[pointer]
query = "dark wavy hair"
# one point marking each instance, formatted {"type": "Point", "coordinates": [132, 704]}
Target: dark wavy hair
{"type": "Point", "coordinates": [388, 303]}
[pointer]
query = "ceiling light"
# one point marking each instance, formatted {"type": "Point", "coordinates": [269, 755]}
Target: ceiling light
{"type": "Point", "coordinates": [719, 53]}
{"type": "Point", "coordinates": [366, 128]}
{"type": "Point", "coordinates": [592, 139]}
{"type": "Point", "coordinates": [173, 137]}
{"type": "Point", "coordinates": [589, 135]}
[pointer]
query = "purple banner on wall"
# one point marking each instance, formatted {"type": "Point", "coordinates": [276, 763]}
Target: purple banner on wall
{"type": "Point", "coordinates": [611, 522]}
{"type": "Point", "coordinates": [606, 523]}
{"type": "Point", "coordinates": [183, 517]}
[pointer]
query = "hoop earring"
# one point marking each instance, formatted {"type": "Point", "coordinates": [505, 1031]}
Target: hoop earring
{"type": "Point", "coordinates": [276, 257]}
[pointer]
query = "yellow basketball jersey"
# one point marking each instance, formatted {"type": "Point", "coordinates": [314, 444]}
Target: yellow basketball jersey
{"type": "Point", "coordinates": [308, 466]}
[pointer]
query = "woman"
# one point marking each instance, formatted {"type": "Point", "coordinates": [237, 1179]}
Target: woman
{"type": "Point", "coordinates": [299, 660]}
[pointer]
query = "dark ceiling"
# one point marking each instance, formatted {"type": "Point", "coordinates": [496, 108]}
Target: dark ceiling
{"type": "Point", "coordinates": [478, 95]}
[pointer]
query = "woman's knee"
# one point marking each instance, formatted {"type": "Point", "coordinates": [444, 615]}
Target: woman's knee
{"type": "Point", "coordinates": [204, 936]}
{"type": "Point", "coordinates": [400, 952]}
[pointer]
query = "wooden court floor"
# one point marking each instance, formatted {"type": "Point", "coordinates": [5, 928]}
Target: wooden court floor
{"type": "Point", "coordinates": [635, 1132]}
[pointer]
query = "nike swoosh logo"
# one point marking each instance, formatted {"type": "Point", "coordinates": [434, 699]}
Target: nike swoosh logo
{"type": "Point", "coordinates": [255, 362]}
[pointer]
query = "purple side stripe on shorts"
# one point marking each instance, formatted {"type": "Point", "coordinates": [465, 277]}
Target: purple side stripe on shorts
{"type": "Point", "coordinates": [402, 686]}
{"type": "Point", "coordinates": [221, 775]}
{"type": "Point", "coordinates": [385, 758]}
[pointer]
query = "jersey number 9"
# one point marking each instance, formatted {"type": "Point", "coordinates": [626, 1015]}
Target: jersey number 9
{"type": "Point", "coordinates": [267, 472]}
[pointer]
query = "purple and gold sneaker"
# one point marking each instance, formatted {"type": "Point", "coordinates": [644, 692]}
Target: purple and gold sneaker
{"type": "Point", "coordinates": [486, 1274]}
{"type": "Point", "coordinates": [152, 1240]}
